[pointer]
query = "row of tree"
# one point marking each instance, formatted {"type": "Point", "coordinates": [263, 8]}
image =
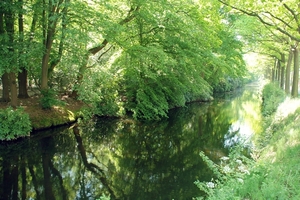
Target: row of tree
{"type": "Point", "coordinates": [137, 56]}
{"type": "Point", "coordinates": [277, 35]}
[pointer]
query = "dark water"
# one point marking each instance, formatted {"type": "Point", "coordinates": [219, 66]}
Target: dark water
{"type": "Point", "coordinates": [129, 159]}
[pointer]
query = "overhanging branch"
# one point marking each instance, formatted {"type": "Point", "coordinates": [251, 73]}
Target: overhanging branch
{"type": "Point", "coordinates": [254, 14]}
{"type": "Point", "coordinates": [128, 18]}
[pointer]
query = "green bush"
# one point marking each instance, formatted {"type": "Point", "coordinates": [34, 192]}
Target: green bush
{"type": "Point", "coordinates": [14, 123]}
{"type": "Point", "coordinates": [49, 99]}
{"type": "Point", "coordinates": [272, 96]}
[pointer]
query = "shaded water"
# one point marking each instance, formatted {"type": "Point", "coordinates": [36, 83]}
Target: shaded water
{"type": "Point", "coordinates": [129, 159]}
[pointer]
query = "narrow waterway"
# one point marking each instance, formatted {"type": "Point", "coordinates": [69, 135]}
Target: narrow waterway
{"type": "Point", "coordinates": [127, 159]}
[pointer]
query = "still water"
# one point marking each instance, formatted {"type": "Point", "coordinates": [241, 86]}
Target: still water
{"type": "Point", "coordinates": [128, 159]}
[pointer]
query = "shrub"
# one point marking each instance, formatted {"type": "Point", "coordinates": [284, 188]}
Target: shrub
{"type": "Point", "coordinates": [14, 123]}
{"type": "Point", "coordinates": [272, 96]}
{"type": "Point", "coordinates": [49, 99]}
{"type": "Point", "coordinates": [231, 171]}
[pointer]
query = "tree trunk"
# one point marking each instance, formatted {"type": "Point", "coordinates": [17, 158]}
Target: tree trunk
{"type": "Point", "coordinates": [278, 71]}
{"type": "Point", "coordinates": [23, 87]}
{"type": "Point", "coordinates": [274, 71]}
{"type": "Point", "coordinates": [9, 25]}
{"type": "Point", "coordinates": [296, 73]}
{"type": "Point", "coordinates": [282, 60]}
{"type": "Point", "coordinates": [55, 61]}
{"type": "Point", "coordinates": [282, 76]}
{"type": "Point", "coordinates": [48, 38]}
{"type": "Point", "coordinates": [22, 76]}
{"type": "Point", "coordinates": [4, 77]}
{"type": "Point", "coordinates": [273, 74]}
{"type": "Point", "coordinates": [44, 76]}
{"type": "Point", "coordinates": [288, 73]}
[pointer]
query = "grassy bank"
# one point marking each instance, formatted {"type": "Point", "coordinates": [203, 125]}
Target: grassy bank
{"type": "Point", "coordinates": [273, 172]}
{"type": "Point", "coordinates": [66, 113]}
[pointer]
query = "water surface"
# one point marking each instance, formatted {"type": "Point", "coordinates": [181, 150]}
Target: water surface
{"type": "Point", "coordinates": [128, 159]}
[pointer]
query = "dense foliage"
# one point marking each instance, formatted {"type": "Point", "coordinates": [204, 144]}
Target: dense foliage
{"type": "Point", "coordinates": [14, 123]}
{"type": "Point", "coordinates": [138, 57]}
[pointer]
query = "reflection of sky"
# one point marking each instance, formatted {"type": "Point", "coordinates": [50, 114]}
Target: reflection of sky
{"type": "Point", "coordinates": [239, 133]}
{"type": "Point", "coordinates": [245, 119]}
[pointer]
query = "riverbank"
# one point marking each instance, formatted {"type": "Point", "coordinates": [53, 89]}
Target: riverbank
{"type": "Point", "coordinates": [43, 119]}
{"type": "Point", "coordinates": [65, 113]}
{"type": "Point", "coordinates": [273, 172]}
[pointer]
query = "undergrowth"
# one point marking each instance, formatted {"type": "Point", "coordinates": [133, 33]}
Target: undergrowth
{"type": "Point", "coordinates": [48, 99]}
{"type": "Point", "coordinates": [14, 123]}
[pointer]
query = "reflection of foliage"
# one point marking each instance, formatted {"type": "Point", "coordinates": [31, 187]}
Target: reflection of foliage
{"type": "Point", "coordinates": [128, 158]}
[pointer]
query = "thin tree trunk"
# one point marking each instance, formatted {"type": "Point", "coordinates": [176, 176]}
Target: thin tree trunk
{"type": "Point", "coordinates": [55, 61]}
{"type": "Point", "coordinates": [48, 40]}
{"type": "Point", "coordinates": [282, 71]}
{"type": "Point", "coordinates": [22, 76]}
{"type": "Point", "coordinates": [288, 73]}
{"type": "Point", "coordinates": [296, 73]}
{"type": "Point", "coordinates": [278, 71]}
{"type": "Point", "coordinates": [273, 74]}
{"type": "Point", "coordinates": [274, 71]}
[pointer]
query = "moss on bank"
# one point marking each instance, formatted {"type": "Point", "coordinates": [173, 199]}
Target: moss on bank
{"type": "Point", "coordinates": [54, 117]}
{"type": "Point", "coordinates": [274, 171]}
{"type": "Point", "coordinates": [40, 118]}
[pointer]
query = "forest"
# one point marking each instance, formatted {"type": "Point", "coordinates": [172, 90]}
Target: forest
{"type": "Point", "coordinates": [122, 70]}
{"type": "Point", "coordinates": [142, 58]}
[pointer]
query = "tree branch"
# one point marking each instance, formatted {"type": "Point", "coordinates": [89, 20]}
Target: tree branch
{"type": "Point", "coordinates": [130, 16]}
{"type": "Point", "coordinates": [281, 20]}
{"type": "Point", "coordinates": [292, 12]}
{"type": "Point", "coordinates": [254, 14]}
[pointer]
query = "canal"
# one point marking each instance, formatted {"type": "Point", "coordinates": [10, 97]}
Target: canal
{"type": "Point", "coordinates": [128, 159]}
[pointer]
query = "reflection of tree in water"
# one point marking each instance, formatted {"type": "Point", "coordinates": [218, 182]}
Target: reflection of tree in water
{"type": "Point", "coordinates": [22, 171]}
{"type": "Point", "coordinates": [159, 159]}
{"type": "Point", "coordinates": [122, 157]}
{"type": "Point", "coordinates": [96, 170]}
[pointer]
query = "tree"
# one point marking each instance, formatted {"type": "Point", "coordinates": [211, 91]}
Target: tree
{"type": "Point", "coordinates": [281, 16]}
{"type": "Point", "coordinates": [51, 16]}
{"type": "Point", "coordinates": [288, 72]}
{"type": "Point", "coordinates": [22, 75]}
{"type": "Point", "coordinates": [165, 56]}
{"type": "Point", "coordinates": [9, 64]}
